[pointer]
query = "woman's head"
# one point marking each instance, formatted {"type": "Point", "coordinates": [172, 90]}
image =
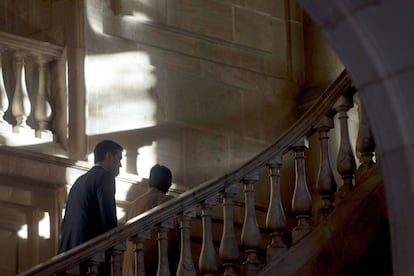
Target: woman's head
{"type": "Point", "coordinates": [160, 178]}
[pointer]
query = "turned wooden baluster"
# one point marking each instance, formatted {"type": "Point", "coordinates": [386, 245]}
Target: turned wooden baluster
{"type": "Point", "coordinates": [42, 107]}
{"type": "Point", "coordinates": [326, 180]}
{"type": "Point", "coordinates": [302, 201]}
{"type": "Point", "coordinates": [365, 141]}
{"type": "Point", "coordinates": [275, 218]}
{"type": "Point", "coordinates": [250, 236]}
{"type": "Point", "coordinates": [4, 101]}
{"type": "Point", "coordinates": [229, 250]}
{"type": "Point", "coordinates": [71, 273]}
{"type": "Point", "coordinates": [186, 265]}
{"type": "Point", "coordinates": [207, 263]}
{"type": "Point", "coordinates": [139, 241]}
{"type": "Point", "coordinates": [116, 256]}
{"type": "Point", "coordinates": [21, 104]}
{"type": "Point", "coordinates": [163, 265]}
{"type": "Point", "coordinates": [346, 161]}
{"type": "Point", "coordinates": [94, 263]}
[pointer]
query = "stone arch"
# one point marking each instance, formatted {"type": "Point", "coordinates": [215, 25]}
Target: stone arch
{"type": "Point", "coordinates": [374, 40]}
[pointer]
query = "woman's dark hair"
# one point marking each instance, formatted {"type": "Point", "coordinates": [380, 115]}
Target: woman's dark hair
{"type": "Point", "coordinates": [160, 178]}
{"type": "Point", "coordinates": [103, 147]}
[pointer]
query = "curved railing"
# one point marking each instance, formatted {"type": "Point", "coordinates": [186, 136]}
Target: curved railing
{"type": "Point", "coordinates": [292, 139]}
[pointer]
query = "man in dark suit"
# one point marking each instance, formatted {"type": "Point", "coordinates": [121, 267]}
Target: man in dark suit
{"type": "Point", "coordinates": [90, 208]}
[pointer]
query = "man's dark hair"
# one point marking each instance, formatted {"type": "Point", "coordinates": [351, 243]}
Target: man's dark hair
{"type": "Point", "coordinates": [160, 178]}
{"type": "Point", "coordinates": [103, 147]}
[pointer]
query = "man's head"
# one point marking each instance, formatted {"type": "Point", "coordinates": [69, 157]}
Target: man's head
{"type": "Point", "coordinates": [160, 178]}
{"type": "Point", "coordinates": [108, 154]}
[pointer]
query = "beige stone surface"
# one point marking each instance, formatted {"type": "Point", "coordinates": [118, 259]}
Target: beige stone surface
{"type": "Point", "coordinates": [207, 18]}
{"type": "Point", "coordinates": [253, 29]}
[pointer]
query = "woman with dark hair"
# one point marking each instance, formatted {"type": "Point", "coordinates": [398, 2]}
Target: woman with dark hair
{"type": "Point", "coordinates": [159, 183]}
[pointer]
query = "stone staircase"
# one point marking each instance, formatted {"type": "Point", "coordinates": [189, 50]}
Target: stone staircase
{"type": "Point", "coordinates": [225, 231]}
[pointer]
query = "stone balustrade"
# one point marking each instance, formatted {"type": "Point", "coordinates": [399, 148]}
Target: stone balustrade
{"type": "Point", "coordinates": [27, 90]}
{"type": "Point", "coordinates": [318, 120]}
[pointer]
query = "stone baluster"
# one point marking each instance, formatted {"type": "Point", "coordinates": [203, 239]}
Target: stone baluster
{"type": "Point", "coordinates": [4, 101]}
{"type": "Point", "coordinates": [346, 161]}
{"type": "Point", "coordinates": [21, 107]}
{"type": "Point", "coordinates": [250, 236]}
{"type": "Point", "coordinates": [302, 201]}
{"type": "Point", "coordinates": [229, 250]}
{"type": "Point", "coordinates": [365, 147]}
{"type": "Point", "coordinates": [116, 256]}
{"type": "Point", "coordinates": [186, 265]}
{"type": "Point", "coordinates": [163, 265]}
{"type": "Point", "coordinates": [275, 217]}
{"type": "Point", "coordinates": [42, 110]}
{"type": "Point", "coordinates": [326, 180]}
{"type": "Point", "coordinates": [139, 241]}
{"type": "Point", "coordinates": [207, 263]}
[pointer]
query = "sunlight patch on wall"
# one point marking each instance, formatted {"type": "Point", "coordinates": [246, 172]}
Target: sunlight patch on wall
{"type": "Point", "coordinates": [43, 228]}
{"type": "Point", "coordinates": [140, 17]}
{"type": "Point", "coordinates": [147, 157]}
{"type": "Point", "coordinates": [95, 17]}
{"type": "Point", "coordinates": [118, 92]}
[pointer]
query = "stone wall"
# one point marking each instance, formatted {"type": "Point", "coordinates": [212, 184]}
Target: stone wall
{"type": "Point", "coordinates": [206, 84]}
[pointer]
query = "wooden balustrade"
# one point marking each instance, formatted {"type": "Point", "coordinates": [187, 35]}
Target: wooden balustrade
{"type": "Point", "coordinates": [205, 196]}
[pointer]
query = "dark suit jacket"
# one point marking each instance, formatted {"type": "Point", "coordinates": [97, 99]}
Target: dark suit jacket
{"type": "Point", "coordinates": [90, 208]}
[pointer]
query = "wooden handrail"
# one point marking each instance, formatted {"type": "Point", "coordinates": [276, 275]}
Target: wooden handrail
{"type": "Point", "coordinates": [302, 127]}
